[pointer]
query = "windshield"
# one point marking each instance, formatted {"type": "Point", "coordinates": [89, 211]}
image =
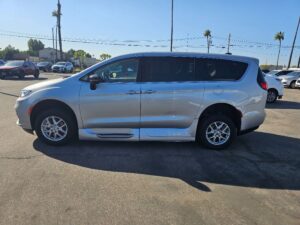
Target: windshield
{"type": "Point", "coordinates": [43, 63]}
{"type": "Point", "coordinates": [61, 63]}
{"type": "Point", "coordinates": [273, 72]}
{"type": "Point", "coordinates": [14, 63]}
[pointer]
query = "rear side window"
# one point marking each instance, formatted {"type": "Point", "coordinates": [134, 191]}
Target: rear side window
{"type": "Point", "coordinates": [284, 72]}
{"type": "Point", "coordinates": [219, 69]}
{"type": "Point", "coordinates": [167, 69]}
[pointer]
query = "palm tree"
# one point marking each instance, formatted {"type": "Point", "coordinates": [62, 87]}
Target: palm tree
{"type": "Point", "coordinates": [279, 37]}
{"type": "Point", "coordinates": [207, 34]}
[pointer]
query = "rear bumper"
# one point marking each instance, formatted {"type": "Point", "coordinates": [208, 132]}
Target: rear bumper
{"type": "Point", "coordinates": [248, 130]}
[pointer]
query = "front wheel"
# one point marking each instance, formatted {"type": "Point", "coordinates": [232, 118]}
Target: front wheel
{"type": "Point", "coordinates": [216, 131]}
{"type": "Point", "coordinates": [55, 127]}
{"type": "Point", "coordinates": [21, 75]}
{"type": "Point", "coordinates": [36, 74]}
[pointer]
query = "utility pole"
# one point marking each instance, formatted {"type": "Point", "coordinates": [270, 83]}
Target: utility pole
{"type": "Point", "coordinates": [55, 43]}
{"type": "Point", "coordinates": [299, 62]}
{"type": "Point", "coordinates": [290, 59]}
{"type": "Point", "coordinates": [228, 45]}
{"type": "Point", "coordinates": [53, 37]}
{"type": "Point", "coordinates": [172, 9]}
{"type": "Point", "coordinates": [59, 29]}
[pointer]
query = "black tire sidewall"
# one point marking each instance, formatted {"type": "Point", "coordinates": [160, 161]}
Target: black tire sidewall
{"type": "Point", "coordinates": [206, 121]}
{"type": "Point", "coordinates": [271, 90]}
{"type": "Point", "coordinates": [62, 114]}
{"type": "Point", "coordinates": [293, 84]}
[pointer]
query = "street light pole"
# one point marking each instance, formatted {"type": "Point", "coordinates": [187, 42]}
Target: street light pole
{"type": "Point", "coordinates": [172, 8]}
{"type": "Point", "coordinates": [290, 59]}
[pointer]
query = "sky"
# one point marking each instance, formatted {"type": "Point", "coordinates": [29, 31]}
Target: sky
{"type": "Point", "coordinates": [146, 24]}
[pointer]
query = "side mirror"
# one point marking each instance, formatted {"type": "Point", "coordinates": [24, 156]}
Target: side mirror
{"type": "Point", "coordinates": [94, 80]}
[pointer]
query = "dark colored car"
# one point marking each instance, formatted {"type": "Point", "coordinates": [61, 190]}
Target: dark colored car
{"type": "Point", "coordinates": [2, 62]}
{"type": "Point", "coordinates": [19, 69]}
{"type": "Point", "coordinates": [44, 66]}
{"type": "Point", "coordinates": [265, 71]}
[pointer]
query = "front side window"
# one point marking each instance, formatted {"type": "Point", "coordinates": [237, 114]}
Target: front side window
{"type": "Point", "coordinates": [168, 69]}
{"type": "Point", "coordinates": [121, 71]}
{"type": "Point", "coordinates": [219, 69]}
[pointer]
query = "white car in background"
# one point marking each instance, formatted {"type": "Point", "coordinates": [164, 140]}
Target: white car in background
{"type": "Point", "coordinates": [275, 88]}
{"type": "Point", "coordinates": [297, 85]}
{"type": "Point", "coordinates": [290, 79]}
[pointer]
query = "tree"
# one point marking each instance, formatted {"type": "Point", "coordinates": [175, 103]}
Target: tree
{"type": "Point", "coordinates": [34, 46]}
{"type": "Point", "coordinates": [80, 54]}
{"type": "Point", "coordinates": [207, 34]}
{"type": "Point", "coordinates": [104, 56]}
{"type": "Point", "coordinates": [88, 55]}
{"type": "Point", "coordinates": [57, 14]}
{"type": "Point", "coordinates": [9, 52]}
{"type": "Point", "coordinates": [279, 37]}
{"type": "Point", "coordinates": [70, 53]}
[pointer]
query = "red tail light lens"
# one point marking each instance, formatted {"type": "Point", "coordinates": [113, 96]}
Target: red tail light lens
{"type": "Point", "coordinates": [261, 80]}
{"type": "Point", "coordinates": [264, 85]}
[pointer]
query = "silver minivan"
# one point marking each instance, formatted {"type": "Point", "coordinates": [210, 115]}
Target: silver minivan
{"type": "Point", "coordinates": [208, 98]}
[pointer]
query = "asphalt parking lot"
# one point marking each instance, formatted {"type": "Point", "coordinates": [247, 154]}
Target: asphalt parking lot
{"type": "Point", "coordinates": [255, 181]}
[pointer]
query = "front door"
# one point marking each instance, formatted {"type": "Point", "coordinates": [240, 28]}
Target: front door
{"type": "Point", "coordinates": [112, 111]}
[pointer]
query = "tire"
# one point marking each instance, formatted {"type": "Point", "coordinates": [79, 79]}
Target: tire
{"type": "Point", "coordinates": [293, 85]}
{"type": "Point", "coordinates": [68, 125]}
{"type": "Point", "coordinates": [37, 74]}
{"type": "Point", "coordinates": [21, 75]}
{"type": "Point", "coordinates": [272, 96]}
{"type": "Point", "coordinates": [207, 129]}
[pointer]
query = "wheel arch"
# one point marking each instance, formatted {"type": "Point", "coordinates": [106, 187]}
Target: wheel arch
{"type": "Point", "coordinates": [225, 109]}
{"type": "Point", "coordinates": [50, 104]}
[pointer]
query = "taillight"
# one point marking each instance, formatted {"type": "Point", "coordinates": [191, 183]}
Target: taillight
{"type": "Point", "coordinates": [261, 80]}
{"type": "Point", "coordinates": [263, 85]}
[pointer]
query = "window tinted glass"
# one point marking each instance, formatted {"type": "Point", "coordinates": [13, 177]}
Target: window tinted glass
{"type": "Point", "coordinates": [284, 72]}
{"type": "Point", "coordinates": [219, 69]}
{"type": "Point", "coordinates": [168, 69]}
{"type": "Point", "coordinates": [121, 71]}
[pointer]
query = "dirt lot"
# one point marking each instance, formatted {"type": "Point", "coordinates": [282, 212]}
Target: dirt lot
{"type": "Point", "coordinates": [256, 181]}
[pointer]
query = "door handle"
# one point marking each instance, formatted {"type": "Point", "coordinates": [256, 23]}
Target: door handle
{"type": "Point", "coordinates": [132, 92]}
{"type": "Point", "coordinates": [149, 92]}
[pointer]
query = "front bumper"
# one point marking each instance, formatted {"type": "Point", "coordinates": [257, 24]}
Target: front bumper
{"type": "Point", "coordinates": [30, 131]}
{"type": "Point", "coordinates": [58, 69]}
{"type": "Point", "coordinates": [22, 108]}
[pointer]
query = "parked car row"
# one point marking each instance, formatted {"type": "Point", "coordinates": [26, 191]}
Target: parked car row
{"type": "Point", "coordinates": [18, 69]}
{"type": "Point", "coordinates": [288, 77]}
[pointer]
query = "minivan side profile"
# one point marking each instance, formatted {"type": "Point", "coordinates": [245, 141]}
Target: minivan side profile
{"type": "Point", "coordinates": [208, 98]}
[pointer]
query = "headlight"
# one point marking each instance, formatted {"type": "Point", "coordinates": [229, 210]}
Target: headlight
{"type": "Point", "coordinates": [25, 93]}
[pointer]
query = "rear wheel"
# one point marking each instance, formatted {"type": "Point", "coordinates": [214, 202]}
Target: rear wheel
{"type": "Point", "coordinates": [293, 84]}
{"type": "Point", "coordinates": [55, 127]}
{"type": "Point", "coordinates": [272, 96]}
{"type": "Point", "coordinates": [36, 74]}
{"type": "Point", "coordinates": [216, 131]}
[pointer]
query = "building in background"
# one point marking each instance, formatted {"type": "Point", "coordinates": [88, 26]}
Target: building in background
{"type": "Point", "coordinates": [49, 54]}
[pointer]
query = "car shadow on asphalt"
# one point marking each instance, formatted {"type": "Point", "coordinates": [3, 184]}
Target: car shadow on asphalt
{"type": "Point", "coordinates": [283, 104]}
{"type": "Point", "coordinates": [260, 160]}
